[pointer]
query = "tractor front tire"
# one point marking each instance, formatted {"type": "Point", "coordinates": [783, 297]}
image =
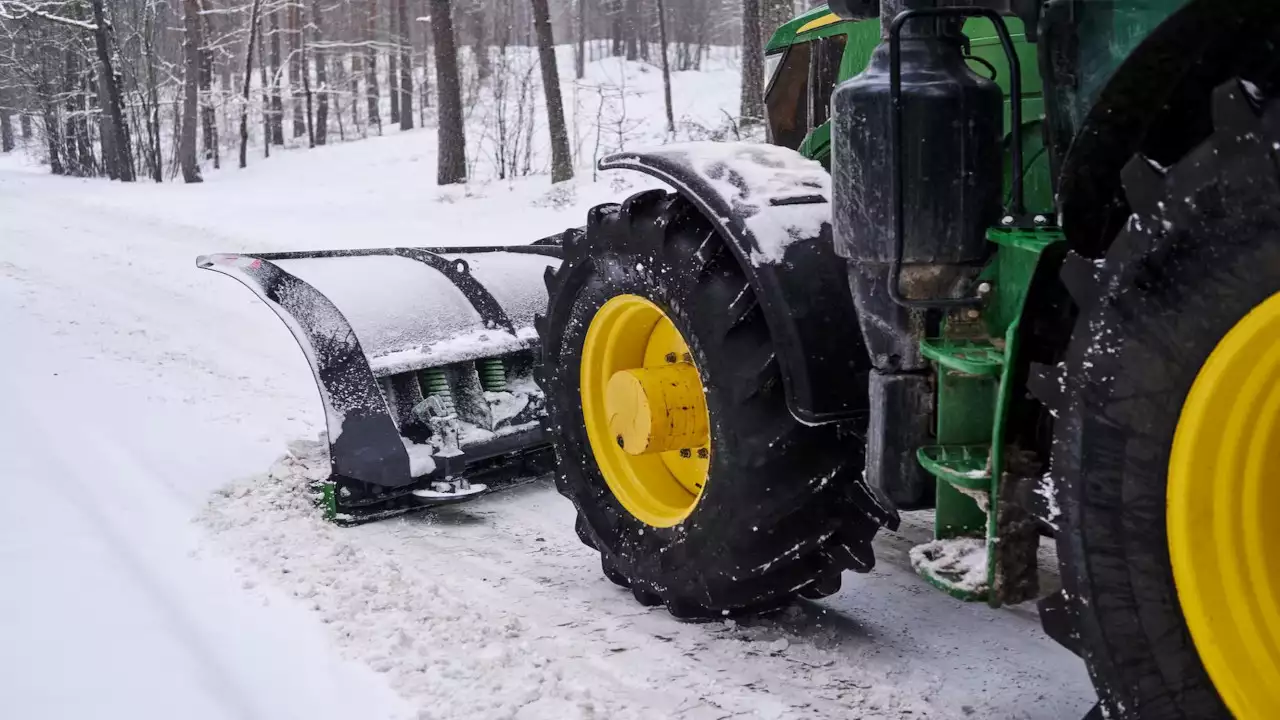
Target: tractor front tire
{"type": "Point", "coordinates": [1200, 253]}
{"type": "Point", "coordinates": [783, 510]}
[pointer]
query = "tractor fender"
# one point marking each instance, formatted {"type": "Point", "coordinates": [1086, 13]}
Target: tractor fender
{"type": "Point", "coordinates": [772, 206]}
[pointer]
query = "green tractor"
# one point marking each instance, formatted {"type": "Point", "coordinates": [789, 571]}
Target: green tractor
{"type": "Point", "coordinates": [1017, 261]}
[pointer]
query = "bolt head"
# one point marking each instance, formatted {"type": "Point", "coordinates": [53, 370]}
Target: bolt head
{"type": "Point", "coordinates": [984, 288]}
{"type": "Point", "coordinates": [670, 357]}
{"type": "Point", "coordinates": [686, 452]}
{"type": "Point", "coordinates": [1006, 220]}
{"type": "Point", "coordinates": [1041, 220]}
{"type": "Point", "coordinates": [973, 314]}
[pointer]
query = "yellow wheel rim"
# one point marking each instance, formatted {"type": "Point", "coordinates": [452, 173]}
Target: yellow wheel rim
{"type": "Point", "coordinates": [645, 410]}
{"type": "Point", "coordinates": [1224, 487]}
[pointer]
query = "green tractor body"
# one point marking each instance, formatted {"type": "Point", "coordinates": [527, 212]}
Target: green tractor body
{"type": "Point", "coordinates": [1013, 261]}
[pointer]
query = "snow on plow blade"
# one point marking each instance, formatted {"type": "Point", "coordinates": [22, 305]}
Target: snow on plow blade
{"type": "Point", "coordinates": [423, 358]}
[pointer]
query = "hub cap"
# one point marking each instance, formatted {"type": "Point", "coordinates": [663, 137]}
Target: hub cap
{"type": "Point", "coordinates": [645, 411]}
{"type": "Point", "coordinates": [1224, 487]}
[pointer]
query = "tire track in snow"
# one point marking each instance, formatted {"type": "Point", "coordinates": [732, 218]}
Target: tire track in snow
{"type": "Point", "coordinates": [494, 609]}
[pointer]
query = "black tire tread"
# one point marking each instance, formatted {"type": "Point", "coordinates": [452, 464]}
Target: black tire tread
{"type": "Point", "coordinates": [821, 527]}
{"type": "Point", "coordinates": [1119, 608]}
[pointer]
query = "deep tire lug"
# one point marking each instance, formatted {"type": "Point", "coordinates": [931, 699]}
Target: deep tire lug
{"type": "Point", "coordinates": [1045, 382]}
{"type": "Point", "coordinates": [636, 205]}
{"type": "Point", "coordinates": [645, 598]}
{"type": "Point", "coordinates": [1059, 616]}
{"type": "Point", "coordinates": [1080, 276]}
{"type": "Point", "coordinates": [1233, 110]}
{"type": "Point", "coordinates": [1144, 186]}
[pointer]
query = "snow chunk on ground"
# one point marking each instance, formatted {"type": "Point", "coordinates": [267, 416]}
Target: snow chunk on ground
{"type": "Point", "coordinates": [960, 560]}
{"type": "Point", "coordinates": [420, 460]}
{"type": "Point", "coordinates": [505, 405]}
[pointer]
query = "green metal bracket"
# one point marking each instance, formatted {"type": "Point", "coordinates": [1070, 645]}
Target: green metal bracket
{"type": "Point", "coordinates": [328, 500]}
{"type": "Point", "coordinates": [966, 467]}
{"type": "Point", "coordinates": [965, 356]}
{"type": "Point", "coordinates": [975, 375]}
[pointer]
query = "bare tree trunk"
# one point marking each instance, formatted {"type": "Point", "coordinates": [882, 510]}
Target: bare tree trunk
{"type": "Point", "coordinates": [6, 122]}
{"type": "Point", "coordinates": [114, 103]}
{"type": "Point", "coordinates": [393, 62]}
{"type": "Point", "coordinates": [248, 76]}
{"type": "Point", "coordinates": [561, 160]}
{"type": "Point", "coordinates": [306, 91]}
{"type": "Point", "coordinates": [297, 70]}
{"type": "Point", "coordinates": [752, 111]}
{"type": "Point", "coordinates": [630, 25]}
{"type": "Point", "coordinates": [452, 137]}
{"type": "Point", "coordinates": [777, 13]}
{"type": "Point", "coordinates": [190, 92]}
{"type": "Point", "coordinates": [580, 57]}
{"type": "Point", "coordinates": [24, 122]}
{"type": "Point", "coordinates": [208, 118]}
{"type": "Point", "coordinates": [155, 159]}
{"type": "Point", "coordinates": [353, 83]}
{"type": "Point", "coordinates": [321, 135]}
{"type": "Point", "coordinates": [666, 67]}
{"type": "Point", "coordinates": [405, 43]}
{"type": "Point", "coordinates": [52, 135]}
{"type": "Point", "coordinates": [371, 67]}
{"type": "Point", "coordinates": [277, 104]}
{"type": "Point", "coordinates": [615, 12]}
{"type": "Point", "coordinates": [480, 39]}
{"type": "Point", "coordinates": [265, 82]}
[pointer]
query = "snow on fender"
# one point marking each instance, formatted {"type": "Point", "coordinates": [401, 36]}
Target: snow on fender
{"type": "Point", "coordinates": [772, 206]}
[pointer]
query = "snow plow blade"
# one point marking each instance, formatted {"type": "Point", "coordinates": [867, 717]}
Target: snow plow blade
{"type": "Point", "coordinates": [424, 360]}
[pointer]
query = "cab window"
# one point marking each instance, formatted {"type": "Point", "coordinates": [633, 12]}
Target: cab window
{"type": "Point", "coordinates": [824, 73]}
{"type": "Point", "coordinates": [798, 97]}
{"type": "Point", "coordinates": [787, 98]}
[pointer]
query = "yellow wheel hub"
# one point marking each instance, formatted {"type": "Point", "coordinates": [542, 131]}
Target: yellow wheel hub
{"type": "Point", "coordinates": [1223, 498]}
{"type": "Point", "coordinates": [645, 410]}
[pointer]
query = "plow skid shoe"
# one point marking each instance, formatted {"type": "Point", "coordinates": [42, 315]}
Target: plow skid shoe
{"type": "Point", "coordinates": [423, 358]}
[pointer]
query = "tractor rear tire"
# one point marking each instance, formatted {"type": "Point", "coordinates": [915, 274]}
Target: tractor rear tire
{"type": "Point", "coordinates": [1201, 251]}
{"type": "Point", "coordinates": [783, 510]}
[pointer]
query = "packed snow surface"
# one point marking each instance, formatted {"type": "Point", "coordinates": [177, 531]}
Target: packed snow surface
{"type": "Point", "coordinates": [960, 560]}
{"type": "Point", "coordinates": [140, 392]}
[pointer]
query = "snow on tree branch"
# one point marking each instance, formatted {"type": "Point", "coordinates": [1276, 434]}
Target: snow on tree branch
{"type": "Point", "coordinates": [15, 10]}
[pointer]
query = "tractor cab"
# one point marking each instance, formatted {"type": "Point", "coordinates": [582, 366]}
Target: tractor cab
{"type": "Point", "coordinates": [804, 61]}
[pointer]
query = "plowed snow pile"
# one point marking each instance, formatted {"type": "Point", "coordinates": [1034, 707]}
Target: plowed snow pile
{"type": "Point", "coordinates": [459, 643]}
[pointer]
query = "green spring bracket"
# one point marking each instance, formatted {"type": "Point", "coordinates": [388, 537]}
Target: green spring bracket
{"type": "Point", "coordinates": [493, 374]}
{"type": "Point", "coordinates": [434, 381]}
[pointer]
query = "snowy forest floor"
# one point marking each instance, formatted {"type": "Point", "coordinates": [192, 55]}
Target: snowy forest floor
{"type": "Point", "coordinates": [136, 388]}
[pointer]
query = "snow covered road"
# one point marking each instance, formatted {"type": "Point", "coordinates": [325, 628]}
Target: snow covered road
{"type": "Point", "coordinates": [134, 386]}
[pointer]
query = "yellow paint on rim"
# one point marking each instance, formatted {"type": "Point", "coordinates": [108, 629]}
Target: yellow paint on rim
{"type": "Point", "coordinates": [825, 20]}
{"type": "Point", "coordinates": [1224, 490]}
{"type": "Point", "coordinates": [642, 398]}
